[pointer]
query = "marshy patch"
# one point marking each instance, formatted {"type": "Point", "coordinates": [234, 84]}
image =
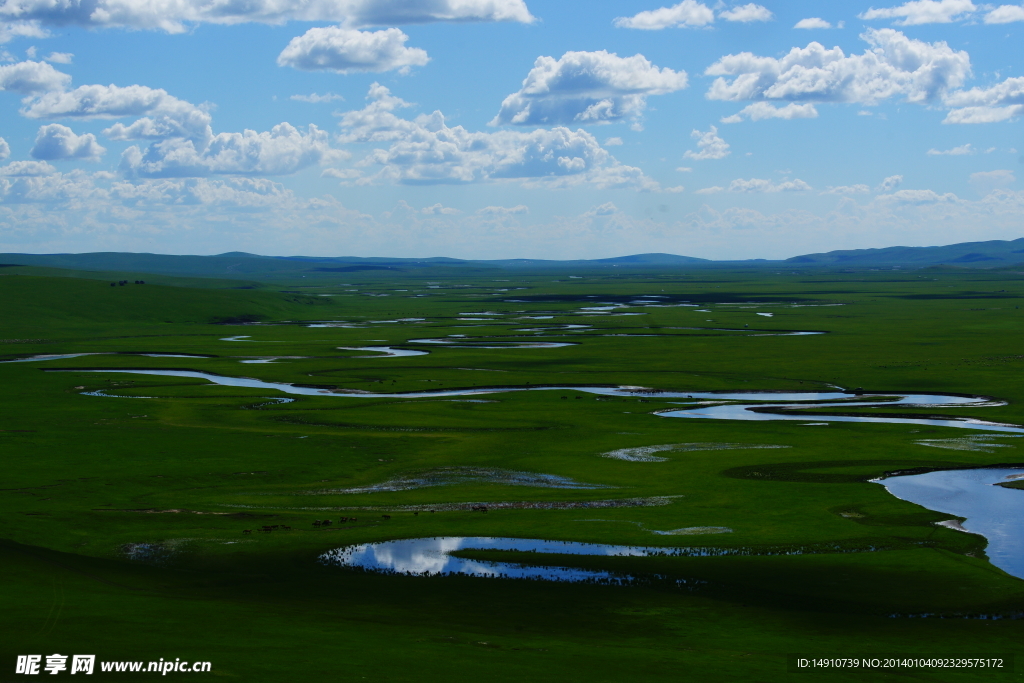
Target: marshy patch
{"type": "Point", "coordinates": [645, 453]}
{"type": "Point", "coordinates": [976, 442]}
{"type": "Point", "coordinates": [455, 476]}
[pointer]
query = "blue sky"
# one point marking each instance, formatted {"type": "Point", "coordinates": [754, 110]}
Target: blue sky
{"type": "Point", "coordinates": [508, 128]}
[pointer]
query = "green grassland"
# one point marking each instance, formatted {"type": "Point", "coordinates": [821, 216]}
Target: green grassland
{"type": "Point", "coordinates": [832, 564]}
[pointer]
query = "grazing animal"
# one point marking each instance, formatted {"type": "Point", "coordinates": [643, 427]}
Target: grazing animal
{"type": "Point", "coordinates": [316, 523]}
{"type": "Point", "coordinates": [386, 516]}
{"type": "Point", "coordinates": [343, 519]}
{"type": "Point", "coordinates": [416, 514]}
{"type": "Point", "coordinates": [246, 531]}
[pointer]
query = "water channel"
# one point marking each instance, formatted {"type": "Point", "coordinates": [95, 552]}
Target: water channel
{"type": "Point", "coordinates": [989, 510]}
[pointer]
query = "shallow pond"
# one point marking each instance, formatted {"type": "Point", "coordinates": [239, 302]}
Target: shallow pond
{"type": "Point", "coordinates": [432, 557]}
{"type": "Point", "coordinates": [740, 411]}
{"type": "Point", "coordinates": [387, 351]}
{"type": "Point", "coordinates": [473, 344]}
{"type": "Point", "coordinates": [989, 510]}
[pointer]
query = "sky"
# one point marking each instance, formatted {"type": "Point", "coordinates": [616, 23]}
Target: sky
{"type": "Point", "coordinates": [508, 128]}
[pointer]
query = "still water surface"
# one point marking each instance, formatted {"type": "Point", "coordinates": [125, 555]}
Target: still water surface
{"type": "Point", "coordinates": [994, 512]}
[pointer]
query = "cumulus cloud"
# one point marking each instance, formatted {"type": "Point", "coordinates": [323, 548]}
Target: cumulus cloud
{"type": "Point", "coordinates": [759, 111]}
{"type": "Point", "coordinates": [894, 65]}
{"type": "Point", "coordinates": [923, 12]}
{"type": "Point", "coordinates": [612, 142]}
{"type": "Point", "coordinates": [985, 182]}
{"type": "Point", "coordinates": [709, 145]}
{"type": "Point", "coordinates": [999, 102]}
{"type": "Point", "coordinates": [176, 17]}
{"type": "Point", "coordinates": [164, 116]}
{"type": "Point", "coordinates": [587, 87]}
{"type": "Point", "coordinates": [812, 23]}
{"type": "Point", "coordinates": [747, 13]}
{"type": "Point", "coordinates": [345, 50]}
{"type": "Point", "coordinates": [282, 150]}
{"type": "Point", "coordinates": [426, 151]}
{"type": "Point", "coordinates": [5, 149]}
{"type": "Point", "coordinates": [847, 189]}
{"type": "Point", "coordinates": [762, 185]}
{"type": "Point", "coordinates": [890, 183]}
{"type": "Point", "coordinates": [517, 210]}
{"type": "Point", "coordinates": [54, 142]}
{"type": "Point", "coordinates": [954, 152]}
{"type": "Point", "coordinates": [10, 30]}
{"type": "Point", "coordinates": [314, 98]}
{"type": "Point", "coordinates": [685, 14]}
{"type": "Point", "coordinates": [27, 168]}
{"type": "Point", "coordinates": [1005, 14]}
{"type": "Point", "coordinates": [30, 78]}
{"type": "Point", "coordinates": [60, 57]}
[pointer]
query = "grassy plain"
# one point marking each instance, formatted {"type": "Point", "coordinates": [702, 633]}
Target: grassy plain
{"type": "Point", "coordinates": [183, 471]}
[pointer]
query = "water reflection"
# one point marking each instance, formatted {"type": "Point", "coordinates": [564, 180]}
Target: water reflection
{"type": "Point", "coordinates": [433, 557]}
{"type": "Point", "coordinates": [991, 511]}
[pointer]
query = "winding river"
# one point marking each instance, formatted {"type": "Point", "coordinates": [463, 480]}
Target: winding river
{"type": "Point", "coordinates": [768, 405]}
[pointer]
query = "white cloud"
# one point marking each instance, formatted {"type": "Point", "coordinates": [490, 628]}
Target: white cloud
{"type": "Point", "coordinates": [812, 23]}
{"type": "Point", "coordinates": [176, 16]}
{"type": "Point", "coordinates": [999, 102]}
{"type": "Point", "coordinates": [439, 210]}
{"type": "Point", "coordinates": [9, 30]}
{"type": "Point", "coordinates": [517, 210]}
{"type": "Point", "coordinates": [586, 87]}
{"type": "Point", "coordinates": [60, 57]}
{"type": "Point", "coordinates": [747, 13]}
{"type": "Point", "coordinates": [686, 13]}
{"type": "Point", "coordinates": [847, 189]}
{"type": "Point", "coordinates": [283, 150]}
{"type": "Point", "coordinates": [983, 114]}
{"type": "Point", "coordinates": [29, 78]}
{"type": "Point", "coordinates": [923, 12]}
{"type": "Point", "coordinates": [709, 145]}
{"type": "Point", "coordinates": [27, 168]}
{"type": "Point", "coordinates": [427, 151]}
{"type": "Point", "coordinates": [954, 152]}
{"type": "Point", "coordinates": [342, 173]}
{"type": "Point", "coordinates": [314, 98]}
{"type": "Point", "coordinates": [685, 169]}
{"type": "Point", "coordinates": [890, 183]}
{"type": "Point", "coordinates": [894, 65]}
{"type": "Point", "coordinates": [344, 50]}
{"type": "Point", "coordinates": [759, 111]}
{"type": "Point", "coordinates": [1005, 14]}
{"type": "Point", "coordinates": [165, 116]}
{"type": "Point", "coordinates": [762, 185]}
{"type": "Point", "coordinates": [612, 142]}
{"type": "Point", "coordinates": [985, 182]}
{"type": "Point", "coordinates": [710, 190]}
{"type": "Point", "coordinates": [5, 149]}
{"type": "Point", "coordinates": [54, 142]}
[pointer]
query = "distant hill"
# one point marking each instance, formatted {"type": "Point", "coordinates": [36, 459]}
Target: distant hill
{"type": "Point", "coordinates": [989, 254]}
{"type": "Point", "coordinates": [243, 265]}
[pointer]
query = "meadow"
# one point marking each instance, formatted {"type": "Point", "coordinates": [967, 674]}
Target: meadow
{"type": "Point", "coordinates": [133, 504]}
